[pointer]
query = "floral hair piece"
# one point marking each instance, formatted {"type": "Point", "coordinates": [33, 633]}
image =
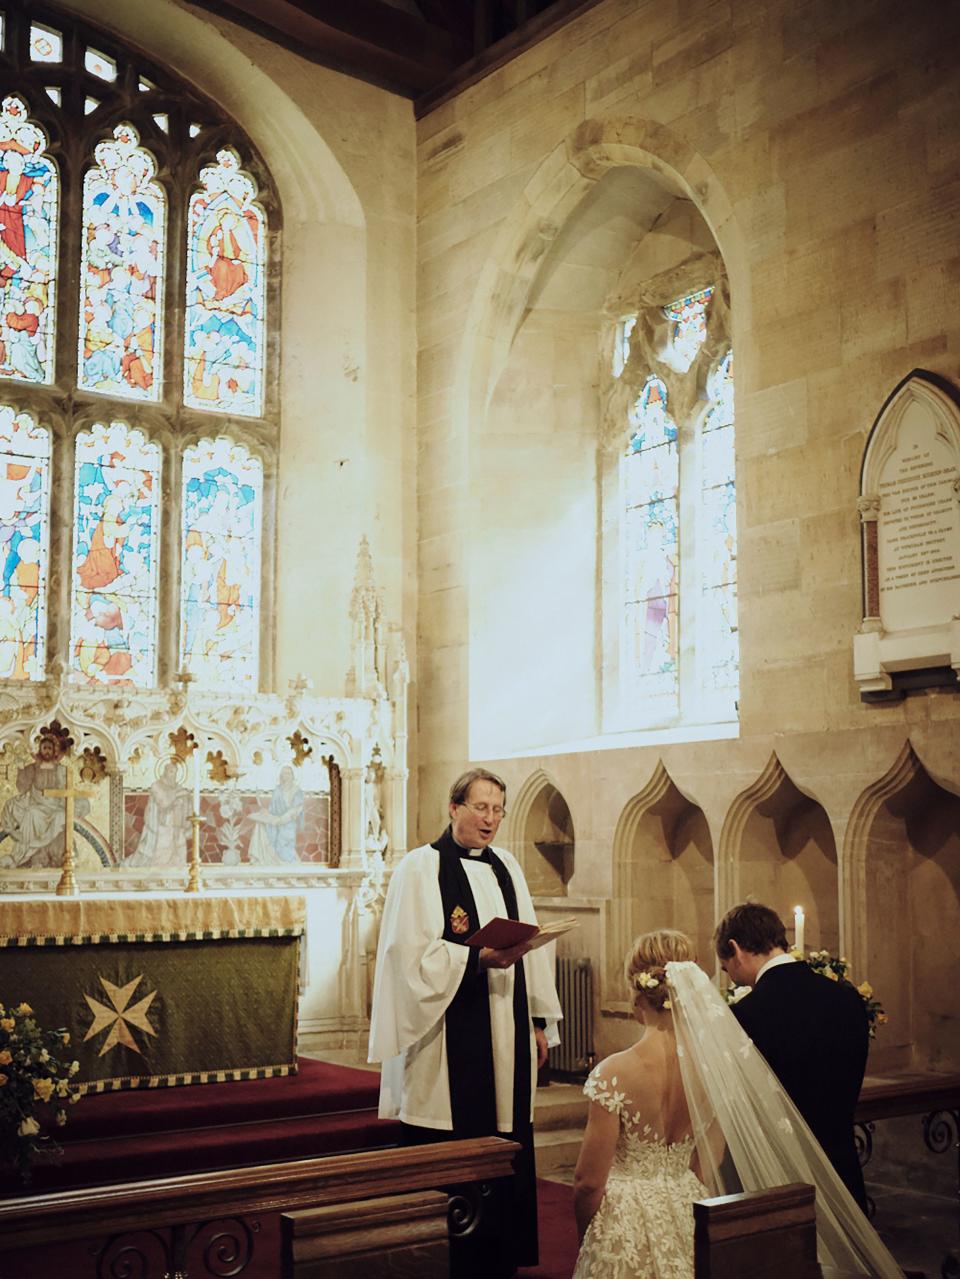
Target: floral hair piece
{"type": "Point", "coordinates": [647, 981]}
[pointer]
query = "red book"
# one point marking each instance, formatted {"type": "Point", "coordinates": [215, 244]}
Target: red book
{"type": "Point", "coordinates": [500, 933]}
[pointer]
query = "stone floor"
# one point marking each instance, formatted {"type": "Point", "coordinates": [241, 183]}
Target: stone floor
{"type": "Point", "coordinates": [919, 1229]}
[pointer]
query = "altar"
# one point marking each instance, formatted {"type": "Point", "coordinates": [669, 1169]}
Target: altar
{"type": "Point", "coordinates": [158, 989]}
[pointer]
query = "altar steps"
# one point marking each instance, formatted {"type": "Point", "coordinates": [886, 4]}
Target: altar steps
{"type": "Point", "coordinates": [147, 1133]}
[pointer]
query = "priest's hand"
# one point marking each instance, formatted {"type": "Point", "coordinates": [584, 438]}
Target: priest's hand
{"type": "Point", "coordinates": [542, 1049]}
{"type": "Point", "coordinates": [505, 958]}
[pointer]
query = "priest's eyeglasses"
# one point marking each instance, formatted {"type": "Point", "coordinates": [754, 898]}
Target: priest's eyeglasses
{"type": "Point", "coordinates": [484, 810]}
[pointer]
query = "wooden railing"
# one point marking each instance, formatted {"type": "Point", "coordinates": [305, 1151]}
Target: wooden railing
{"type": "Point", "coordinates": [172, 1211]}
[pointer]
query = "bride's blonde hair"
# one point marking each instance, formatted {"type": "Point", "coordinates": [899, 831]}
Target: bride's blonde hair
{"type": "Point", "coordinates": [646, 962]}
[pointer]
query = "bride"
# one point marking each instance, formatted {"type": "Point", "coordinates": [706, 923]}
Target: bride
{"type": "Point", "coordinates": [664, 1114]}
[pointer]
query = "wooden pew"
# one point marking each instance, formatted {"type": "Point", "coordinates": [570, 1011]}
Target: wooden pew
{"type": "Point", "coordinates": [395, 1235]}
{"type": "Point", "coordinates": [767, 1234]}
{"type": "Point", "coordinates": [161, 1227]}
{"type": "Point", "coordinates": [770, 1234]}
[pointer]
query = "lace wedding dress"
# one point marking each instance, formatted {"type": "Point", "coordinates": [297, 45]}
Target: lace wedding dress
{"type": "Point", "coordinates": [643, 1228]}
{"type": "Point", "coordinates": [708, 1089]}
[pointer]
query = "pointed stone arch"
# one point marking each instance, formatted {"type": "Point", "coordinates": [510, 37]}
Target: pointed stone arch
{"type": "Point", "coordinates": [902, 885]}
{"type": "Point", "coordinates": [778, 846]}
{"type": "Point", "coordinates": [663, 876]}
{"type": "Point", "coordinates": [471, 362]}
{"type": "Point", "coordinates": [541, 834]}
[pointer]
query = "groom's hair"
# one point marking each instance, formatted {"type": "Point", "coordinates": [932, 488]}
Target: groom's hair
{"type": "Point", "coordinates": [754, 928]}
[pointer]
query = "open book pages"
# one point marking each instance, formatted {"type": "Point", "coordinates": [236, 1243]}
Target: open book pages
{"type": "Point", "coordinates": [500, 933]}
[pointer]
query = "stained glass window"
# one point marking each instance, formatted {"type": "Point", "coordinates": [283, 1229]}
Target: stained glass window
{"type": "Point", "coordinates": [651, 545]}
{"type": "Point", "coordinates": [226, 256]}
{"type": "Point", "coordinates": [46, 45]}
{"type": "Point", "coordinates": [717, 643]}
{"type": "Point", "coordinates": [677, 607]}
{"type": "Point", "coordinates": [621, 346]}
{"type": "Point", "coordinates": [100, 65]}
{"type": "Point", "coordinates": [24, 531]}
{"type": "Point", "coordinates": [688, 329]}
{"type": "Point", "coordinates": [29, 196]}
{"type": "Point", "coordinates": [113, 632]}
{"type": "Point", "coordinates": [118, 198]}
{"type": "Point", "coordinates": [220, 565]}
{"type": "Point", "coordinates": [121, 330]}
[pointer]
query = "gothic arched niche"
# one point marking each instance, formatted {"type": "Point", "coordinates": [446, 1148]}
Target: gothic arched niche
{"type": "Point", "coordinates": [662, 875]}
{"type": "Point", "coordinates": [785, 855]}
{"type": "Point", "coordinates": [534, 458]}
{"type": "Point", "coordinates": [905, 843]}
{"type": "Point", "coordinates": [548, 843]}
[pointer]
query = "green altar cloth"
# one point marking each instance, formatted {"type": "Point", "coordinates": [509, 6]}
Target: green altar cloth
{"type": "Point", "coordinates": [159, 990]}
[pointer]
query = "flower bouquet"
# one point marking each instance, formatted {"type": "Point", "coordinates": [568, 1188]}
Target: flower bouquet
{"type": "Point", "coordinates": [35, 1088]}
{"type": "Point", "coordinates": [827, 965]}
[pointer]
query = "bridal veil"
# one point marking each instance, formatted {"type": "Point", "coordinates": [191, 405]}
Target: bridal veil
{"type": "Point", "coordinates": [737, 1105]}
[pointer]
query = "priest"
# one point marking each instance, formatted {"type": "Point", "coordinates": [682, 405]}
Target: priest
{"type": "Point", "coordinates": [461, 1030]}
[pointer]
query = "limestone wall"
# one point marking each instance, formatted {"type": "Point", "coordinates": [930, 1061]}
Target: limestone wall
{"type": "Point", "coordinates": [819, 147]}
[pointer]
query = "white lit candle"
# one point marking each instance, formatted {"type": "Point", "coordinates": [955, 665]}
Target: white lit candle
{"type": "Point", "coordinates": [196, 781]}
{"type": "Point", "coordinates": [798, 928]}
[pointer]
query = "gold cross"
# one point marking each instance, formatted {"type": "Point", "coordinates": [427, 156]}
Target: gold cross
{"type": "Point", "coordinates": [68, 884]}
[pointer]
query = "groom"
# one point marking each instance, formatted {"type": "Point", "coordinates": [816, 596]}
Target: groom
{"type": "Point", "coordinates": [812, 1031]}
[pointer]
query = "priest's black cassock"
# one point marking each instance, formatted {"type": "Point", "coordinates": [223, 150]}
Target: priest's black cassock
{"type": "Point", "coordinates": [457, 1041]}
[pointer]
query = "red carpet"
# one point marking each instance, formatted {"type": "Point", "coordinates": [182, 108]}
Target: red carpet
{"type": "Point", "coordinates": [124, 1136]}
{"type": "Point", "coordinates": [558, 1232]}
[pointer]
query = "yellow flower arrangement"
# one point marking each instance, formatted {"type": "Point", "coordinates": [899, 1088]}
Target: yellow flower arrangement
{"type": "Point", "coordinates": [34, 1086]}
{"type": "Point", "coordinates": [822, 962]}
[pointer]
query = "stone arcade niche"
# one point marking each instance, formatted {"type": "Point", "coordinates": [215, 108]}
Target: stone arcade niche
{"type": "Point", "coordinates": [904, 854]}
{"type": "Point", "coordinates": [546, 837]}
{"type": "Point", "coordinates": [662, 877]}
{"type": "Point", "coordinates": [779, 846]}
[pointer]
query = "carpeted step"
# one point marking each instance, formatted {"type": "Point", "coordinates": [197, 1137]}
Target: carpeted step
{"type": "Point", "coordinates": [557, 1150]}
{"type": "Point", "coordinates": [317, 1088]}
{"type": "Point", "coordinates": [139, 1133]}
{"type": "Point", "coordinates": [560, 1106]}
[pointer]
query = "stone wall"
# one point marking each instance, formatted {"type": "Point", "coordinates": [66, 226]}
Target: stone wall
{"type": "Point", "coordinates": [819, 147]}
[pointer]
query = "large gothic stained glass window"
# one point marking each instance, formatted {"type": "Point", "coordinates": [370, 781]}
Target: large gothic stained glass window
{"type": "Point", "coordinates": [651, 548]}
{"type": "Point", "coordinates": [226, 251]}
{"type": "Point", "coordinates": [29, 195]}
{"type": "Point", "coordinates": [113, 634]}
{"type": "Point", "coordinates": [220, 572]}
{"type": "Point", "coordinates": [121, 270]}
{"type": "Point", "coordinates": [678, 648]}
{"type": "Point", "coordinates": [24, 534]}
{"type": "Point", "coordinates": [134, 208]}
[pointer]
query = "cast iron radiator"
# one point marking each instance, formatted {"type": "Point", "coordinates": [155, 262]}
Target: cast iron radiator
{"type": "Point", "coordinates": [576, 1055]}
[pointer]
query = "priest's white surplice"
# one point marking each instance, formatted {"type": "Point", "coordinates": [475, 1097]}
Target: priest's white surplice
{"type": "Point", "coordinates": [417, 976]}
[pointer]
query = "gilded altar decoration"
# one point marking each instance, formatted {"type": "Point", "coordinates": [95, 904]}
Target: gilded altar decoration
{"type": "Point", "coordinates": [182, 744]}
{"type": "Point", "coordinates": [300, 745]}
{"type": "Point", "coordinates": [221, 770]}
{"type": "Point", "coordinates": [93, 764]}
{"type": "Point", "coordinates": [58, 736]}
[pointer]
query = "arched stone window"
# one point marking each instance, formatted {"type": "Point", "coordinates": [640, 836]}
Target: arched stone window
{"type": "Point", "coordinates": [139, 268]}
{"type": "Point", "coordinates": [677, 655]}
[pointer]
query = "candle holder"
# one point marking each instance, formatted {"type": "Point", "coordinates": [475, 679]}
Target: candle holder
{"type": "Point", "coordinates": [194, 884]}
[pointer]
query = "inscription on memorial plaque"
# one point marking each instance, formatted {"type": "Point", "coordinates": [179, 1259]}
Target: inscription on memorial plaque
{"type": "Point", "coordinates": [909, 507]}
{"type": "Point", "coordinates": [919, 528]}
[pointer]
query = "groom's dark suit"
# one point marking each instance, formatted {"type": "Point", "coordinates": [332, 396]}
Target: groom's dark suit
{"type": "Point", "coordinates": [814, 1034]}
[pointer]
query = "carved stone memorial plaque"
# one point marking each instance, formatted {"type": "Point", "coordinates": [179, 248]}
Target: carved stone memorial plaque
{"type": "Point", "coordinates": [910, 513]}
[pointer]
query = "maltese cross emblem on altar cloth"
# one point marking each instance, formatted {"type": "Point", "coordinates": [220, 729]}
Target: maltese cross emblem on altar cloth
{"type": "Point", "coordinates": [119, 1017]}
